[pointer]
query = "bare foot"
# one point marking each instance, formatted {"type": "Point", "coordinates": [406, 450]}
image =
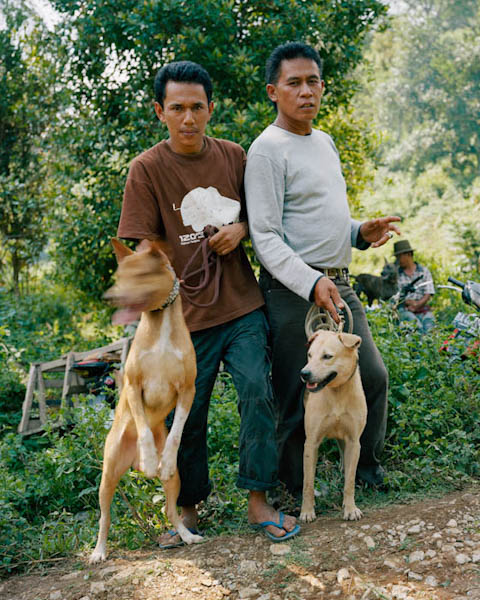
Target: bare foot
{"type": "Point", "coordinates": [189, 516]}
{"type": "Point", "coordinates": [259, 510]}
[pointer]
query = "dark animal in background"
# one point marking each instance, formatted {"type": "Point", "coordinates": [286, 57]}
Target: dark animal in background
{"type": "Point", "coordinates": [374, 287]}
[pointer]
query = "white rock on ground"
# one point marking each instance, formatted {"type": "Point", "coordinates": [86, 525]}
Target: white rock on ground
{"type": "Point", "coordinates": [280, 549]}
{"type": "Point", "coordinates": [462, 559]}
{"type": "Point", "coordinates": [248, 566]}
{"type": "Point", "coordinates": [342, 575]}
{"type": "Point", "coordinates": [97, 587]}
{"type": "Point", "coordinates": [416, 556]}
{"type": "Point", "coordinates": [369, 542]}
{"type": "Point", "coordinates": [452, 523]}
{"type": "Point", "coordinates": [414, 529]}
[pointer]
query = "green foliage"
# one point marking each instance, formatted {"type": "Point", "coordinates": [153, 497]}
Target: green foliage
{"type": "Point", "coordinates": [427, 99]}
{"type": "Point", "coordinates": [434, 407]}
{"type": "Point", "coordinates": [49, 498]}
{"type": "Point", "coordinates": [40, 327]}
{"type": "Point", "coordinates": [420, 94]}
{"type": "Point", "coordinates": [113, 59]}
{"type": "Point", "coordinates": [48, 503]}
{"type": "Point", "coordinates": [49, 485]}
{"type": "Point", "coordinates": [28, 103]}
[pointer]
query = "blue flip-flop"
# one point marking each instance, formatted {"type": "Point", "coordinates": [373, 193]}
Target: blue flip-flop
{"type": "Point", "coordinates": [274, 538]}
{"type": "Point", "coordinates": [172, 533]}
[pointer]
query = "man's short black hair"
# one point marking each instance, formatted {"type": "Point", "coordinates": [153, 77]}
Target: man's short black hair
{"type": "Point", "coordinates": [184, 71]}
{"type": "Point", "coordinates": [289, 51]}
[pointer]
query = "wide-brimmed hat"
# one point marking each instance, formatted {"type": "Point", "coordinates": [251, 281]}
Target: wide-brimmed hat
{"type": "Point", "coordinates": [401, 247]}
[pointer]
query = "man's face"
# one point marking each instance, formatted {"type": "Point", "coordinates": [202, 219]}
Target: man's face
{"type": "Point", "coordinates": [405, 260]}
{"type": "Point", "coordinates": [185, 112]}
{"type": "Point", "coordinates": [297, 93]}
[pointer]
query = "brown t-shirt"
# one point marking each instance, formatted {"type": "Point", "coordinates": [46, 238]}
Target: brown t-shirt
{"type": "Point", "coordinates": [157, 183]}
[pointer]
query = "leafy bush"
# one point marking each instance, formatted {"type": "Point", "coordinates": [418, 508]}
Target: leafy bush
{"type": "Point", "coordinates": [48, 501]}
{"type": "Point", "coordinates": [40, 327]}
{"type": "Point", "coordinates": [433, 437]}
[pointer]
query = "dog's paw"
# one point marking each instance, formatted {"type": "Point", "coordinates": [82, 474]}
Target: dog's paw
{"type": "Point", "coordinates": [195, 539]}
{"type": "Point", "coordinates": [306, 516]}
{"type": "Point", "coordinates": [352, 514]}
{"type": "Point", "coordinates": [187, 536]}
{"type": "Point", "coordinates": [97, 556]}
{"type": "Point", "coordinates": [148, 455]}
{"type": "Point", "coordinates": [167, 466]}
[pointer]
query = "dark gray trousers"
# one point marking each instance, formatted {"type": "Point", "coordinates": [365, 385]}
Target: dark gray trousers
{"type": "Point", "coordinates": [242, 346]}
{"type": "Point", "coordinates": [286, 314]}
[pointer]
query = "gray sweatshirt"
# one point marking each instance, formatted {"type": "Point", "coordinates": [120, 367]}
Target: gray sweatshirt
{"type": "Point", "coordinates": [298, 213]}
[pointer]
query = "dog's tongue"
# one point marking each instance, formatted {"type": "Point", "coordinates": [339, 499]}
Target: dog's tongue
{"type": "Point", "coordinates": [311, 386]}
{"type": "Point", "coordinates": [124, 316]}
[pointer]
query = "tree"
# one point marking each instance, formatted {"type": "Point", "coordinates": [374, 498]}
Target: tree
{"type": "Point", "coordinates": [422, 98]}
{"type": "Point", "coordinates": [117, 47]}
{"type": "Point", "coordinates": [28, 102]}
{"type": "Point", "coordinates": [427, 88]}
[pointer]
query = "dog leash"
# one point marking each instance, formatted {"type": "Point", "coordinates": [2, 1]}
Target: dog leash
{"type": "Point", "coordinates": [318, 318]}
{"type": "Point", "coordinates": [211, 262]}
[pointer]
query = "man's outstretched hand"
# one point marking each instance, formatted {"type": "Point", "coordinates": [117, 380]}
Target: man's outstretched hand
{"type": "Point", "coordinates": [378, 231]}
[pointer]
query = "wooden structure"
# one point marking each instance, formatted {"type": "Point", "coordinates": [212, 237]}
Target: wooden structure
{"type": "Point", "coordinates": [60, 374]}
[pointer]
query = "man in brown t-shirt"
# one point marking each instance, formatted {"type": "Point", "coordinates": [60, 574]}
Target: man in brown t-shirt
{"type": "Point", "coordinates": [173, 191]}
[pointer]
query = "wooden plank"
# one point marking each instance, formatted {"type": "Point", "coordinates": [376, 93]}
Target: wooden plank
{"type": "Point", "coordinates": [54, 365]}
{"type": "Point", "coordinates": [97, 352]}
{"type": "Point", "coordinates": [34, 425]}
{"type": "Point", "coordinates": [66, 379]}
{"type": "Point", "coordinates": [36, 428]}
{"type": "Point", "coordinates": [71, 382]}
{"type": "Point", "coordinates": [42, 407]}
{"type": "Point", "coordinates": [53, 383]}
{"type": "Point", "coordinates": [27, 403]}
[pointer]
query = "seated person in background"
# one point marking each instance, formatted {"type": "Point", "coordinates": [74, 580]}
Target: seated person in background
{"type": "Point", "coordinates": [415, 308]}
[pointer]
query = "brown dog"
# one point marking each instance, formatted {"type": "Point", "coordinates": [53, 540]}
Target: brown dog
{"type": "Point", "coordinates": [159, 375]}
{"type": "Point", "coordinates": [335, 407]}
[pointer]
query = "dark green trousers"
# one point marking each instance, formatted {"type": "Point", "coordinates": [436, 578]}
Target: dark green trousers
{"type": "Point", "coordinates": [286, 314]}
{"type": "Point", "coordinates": [241, 345]}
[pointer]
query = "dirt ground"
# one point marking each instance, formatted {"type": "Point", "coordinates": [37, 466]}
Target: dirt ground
{"type": "Point", "coordinates": [427, 549]}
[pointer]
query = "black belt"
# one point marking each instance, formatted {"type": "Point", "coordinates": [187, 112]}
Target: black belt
{"type": "Point", "coordinates": [333, 273]}
{"type": "Point", "coordinates": [338, 274]}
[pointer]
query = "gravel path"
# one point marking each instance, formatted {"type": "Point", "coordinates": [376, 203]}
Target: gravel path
{"type": "Point", "coordinates": [427, 550]}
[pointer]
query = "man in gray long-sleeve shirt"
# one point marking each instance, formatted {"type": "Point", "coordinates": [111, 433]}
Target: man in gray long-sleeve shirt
{"type": "Point", "coordinates": [302, 233]}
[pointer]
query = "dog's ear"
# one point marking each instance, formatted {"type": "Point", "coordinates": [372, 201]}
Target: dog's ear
{"type": "Point", "coordinates": [121, 251]}
{"type": "Point", "coordinates": [164, 248]}
{"type": "Point", "coordinates": [313, 336]}
{"type": "Point", "coordinates": [350, 340]}
{"type": "Point", "coordinates": [153, 247]}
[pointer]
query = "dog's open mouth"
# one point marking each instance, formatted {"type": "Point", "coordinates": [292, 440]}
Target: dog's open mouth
{"type": "Point", "coordinates": [124, 316]}
{"type": "Point", "coordinates": [129, 308]}
{"type": "Point", "coordinates": [316, 386]}
{"type": "Point", "coordinates": [128, 314]}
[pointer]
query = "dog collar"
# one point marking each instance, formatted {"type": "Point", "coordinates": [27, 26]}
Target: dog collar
{"type": "Point", "coordinates": [172, 296]}
{"type": "Point", "coordinates": [353, 372]}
